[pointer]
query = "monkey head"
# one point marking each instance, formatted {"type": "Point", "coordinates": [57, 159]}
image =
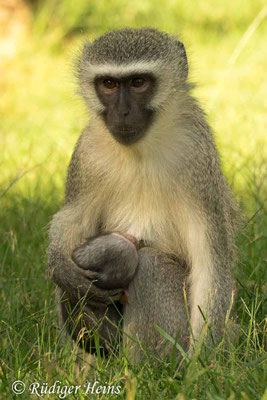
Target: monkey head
{"type": "Point", "coordinates": [126, 76]}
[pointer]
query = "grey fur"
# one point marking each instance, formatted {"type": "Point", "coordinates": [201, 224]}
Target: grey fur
{"type": "Point", "coordinates": [158, 304]}
{"type": "Point", "coordinates": [131, 46]}
{"type": "Point", "coordinates": [168, 190]}
{"type": "Point", "coordinates": [127, 46]}
{"type": "Point", "coordinates": [113, 258]}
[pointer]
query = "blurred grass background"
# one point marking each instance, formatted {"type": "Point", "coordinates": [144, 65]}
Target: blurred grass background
{"type": "Point", "coordinates": [41, 118]}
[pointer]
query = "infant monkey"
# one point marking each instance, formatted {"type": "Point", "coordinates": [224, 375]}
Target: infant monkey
{"type": "Point", "coordinates": [112, 257]}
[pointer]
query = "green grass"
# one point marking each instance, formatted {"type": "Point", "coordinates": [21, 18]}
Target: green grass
{"type": "Point", "coordinates": [40, 121]}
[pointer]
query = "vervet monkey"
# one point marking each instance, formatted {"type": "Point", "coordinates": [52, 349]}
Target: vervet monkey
{"type": "Point", "coordinates": [146, 166]}
{"type": "Point", "coordinates": [113, 257]}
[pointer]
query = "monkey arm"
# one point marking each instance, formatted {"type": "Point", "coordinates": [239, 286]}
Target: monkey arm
{"type": "Point", "coordinates": [210, 300]}
{"type": "Point", "coordinates": [211, 285]}
{"type": "Point", "coordinates": [99, 313]}
{"type": "Point", "coordinates": [84, 309]}
{"type": "Point", "coordinates": [210, 246]}
{"type": "Point", "coordinates": [210, 229]}
{"type": "Point", "coordinates": [212, 256]}
{"type": "Point", "coordinates": [70, 227]}
{"type": "Point", "coordinates": [107, 262]}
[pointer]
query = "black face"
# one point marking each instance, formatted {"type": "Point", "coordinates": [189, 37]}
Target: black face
{"type": "Point", "coordinates": [126, 100]}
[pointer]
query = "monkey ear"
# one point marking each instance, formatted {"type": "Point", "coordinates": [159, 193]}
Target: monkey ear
{"type": "Point", "coordinates": [183, 57]}
{"type": "Point", "coordinates": [80, 61]}
{"type": "Point", "coordinates": [86, 48]}
{"type": "Point", "coordinates": [84, 54]}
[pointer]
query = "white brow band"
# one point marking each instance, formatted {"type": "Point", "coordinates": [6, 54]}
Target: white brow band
{"type": "Point", "coordinates": [124, 69]}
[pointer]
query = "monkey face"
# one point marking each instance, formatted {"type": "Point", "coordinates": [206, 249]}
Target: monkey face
{"type": "Point", "coordinates": [126, 100]}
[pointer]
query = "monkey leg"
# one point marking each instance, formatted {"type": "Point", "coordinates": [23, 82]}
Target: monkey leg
{"type": "Point", "coordinates": [87, 322]}
{"type": "Point", "coordinates": [155, 298]}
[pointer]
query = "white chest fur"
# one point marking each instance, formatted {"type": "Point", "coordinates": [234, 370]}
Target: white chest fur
{"type": "Point", "coordinates": [143, 197]}
{"type": "Point", "coordinates": [145, 205]}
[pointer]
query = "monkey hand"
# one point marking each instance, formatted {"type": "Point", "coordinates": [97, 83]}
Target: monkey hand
{"type": "Point", "coordinates": [112, 258]}
{"type": "Point", "coordinates": [78, 282]}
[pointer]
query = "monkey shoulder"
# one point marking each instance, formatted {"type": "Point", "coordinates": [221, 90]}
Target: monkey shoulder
{"type": "Point", "coordinates": [79, 176]}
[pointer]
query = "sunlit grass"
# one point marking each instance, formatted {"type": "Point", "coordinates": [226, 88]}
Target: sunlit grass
{"type": "Point", "coordinates": [41, 118]}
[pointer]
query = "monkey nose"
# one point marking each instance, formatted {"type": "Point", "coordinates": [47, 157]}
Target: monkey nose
{"type": "Point", "coordinates": [124, 112]}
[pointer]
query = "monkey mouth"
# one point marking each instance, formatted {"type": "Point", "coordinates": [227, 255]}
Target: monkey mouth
{"type": "Point", "coordinates": [127, 132]}
{"type": "Point", "coordinates": [127, 136]}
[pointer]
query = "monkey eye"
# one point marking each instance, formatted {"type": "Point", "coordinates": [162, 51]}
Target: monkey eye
{"type": "Point", "coordinates": [109, 84]}
{"type": "Point", "coordinates": [138, 82]}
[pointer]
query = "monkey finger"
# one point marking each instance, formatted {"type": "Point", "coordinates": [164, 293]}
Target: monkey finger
{"type": "Point", "coordinates": [87, 288]}
{"type": "Point", "coordinates": [87, 273]}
